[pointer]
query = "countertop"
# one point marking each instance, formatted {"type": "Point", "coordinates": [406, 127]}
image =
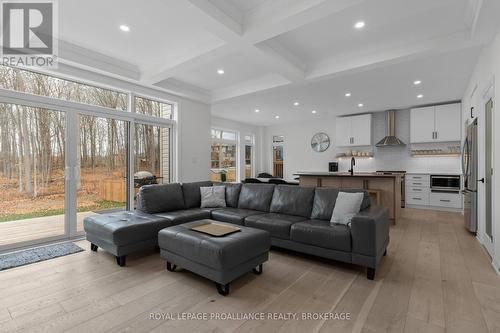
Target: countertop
{"type": "Point", "coordinates": [346, 174]}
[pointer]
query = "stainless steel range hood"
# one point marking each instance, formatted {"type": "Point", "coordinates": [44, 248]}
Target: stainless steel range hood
{"type": "Point", "coordinates": [391, 139]}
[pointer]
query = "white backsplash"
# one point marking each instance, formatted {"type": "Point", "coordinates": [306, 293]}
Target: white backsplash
{"type": "Point", "coordinates": [399, 158]}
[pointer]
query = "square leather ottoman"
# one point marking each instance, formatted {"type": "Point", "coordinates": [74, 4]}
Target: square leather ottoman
{"type": "Point", "coordinates": [220, 259]}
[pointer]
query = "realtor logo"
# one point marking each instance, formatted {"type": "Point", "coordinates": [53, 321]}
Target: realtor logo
{"type": "Point", "coordinates": [29, 33]}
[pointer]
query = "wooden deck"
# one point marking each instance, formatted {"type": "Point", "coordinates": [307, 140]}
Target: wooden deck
{"type": "Point", "coordinates": [36, 228]}
{"type": "Point", "coordinates": [435, 278]}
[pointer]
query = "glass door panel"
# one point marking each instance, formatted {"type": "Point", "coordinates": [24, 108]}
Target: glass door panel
{"type": "Point", "coordinates": [151, 155]}
{"type": "Point", "coordinates": [32, 166]}
{"type": "Point", "coordinates": [102, 156]}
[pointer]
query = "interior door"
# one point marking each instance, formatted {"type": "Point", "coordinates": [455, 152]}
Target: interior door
{"type": "Point", "coordinates": [488, 175]}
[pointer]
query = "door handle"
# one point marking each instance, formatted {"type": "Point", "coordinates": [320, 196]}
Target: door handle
{"type": "Point", "coordinates": [481, 180]}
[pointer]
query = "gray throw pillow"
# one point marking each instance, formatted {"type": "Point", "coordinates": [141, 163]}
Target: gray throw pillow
{"type": "Point", "coordinates": [346, 206]}
{"type": "Point", "coordinates": [213, 196]}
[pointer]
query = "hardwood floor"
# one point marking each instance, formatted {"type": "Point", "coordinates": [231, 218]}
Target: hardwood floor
{"type": "Point", "coordinates": [36, 228]}
{"type": "Point", "coordinates": [435, 278]}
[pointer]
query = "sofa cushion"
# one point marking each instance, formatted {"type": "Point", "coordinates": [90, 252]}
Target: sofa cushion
{"type": "Point", "coordinates": [160, 198]}
{"type": "Point", "coordinates": [191, 192]}
{"type": "Point", "coordinates": [233, 215]}
{"type": "Point", "coordinates": [213, 197]}
{"type": "Point", "coordinates": [256, 196]}
{"type": "Point", "coordinates": [278, 225]}
{"type": "Point", "coordinates": [185, 215]}
{"type": "Point", "coordinates": [232, 193]}
{"type": "Point", "coordinates": [292, 200]}
{"type": "Point", "coordinates": [322, 234]}
{"type": "Point", "coordinates": [346, 206]}
{"type": "Point", "coordinates": [124, 228]}
{"type": "Point", "coordinates": [325, 198]}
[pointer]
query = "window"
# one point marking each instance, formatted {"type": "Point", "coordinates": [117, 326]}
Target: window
{"type": "Point", "coordinates": [50, 86]}
{"type": "Point", "coordinates": [61, 161]}
{"type": "Point", "coordinates": [278, 141]}
{"type": "Point", "coordinates": [153, 108]}
{"type": "Point", "coordinates": [249, 143]}
{"type": "Point", "coordinates": [224, 156]}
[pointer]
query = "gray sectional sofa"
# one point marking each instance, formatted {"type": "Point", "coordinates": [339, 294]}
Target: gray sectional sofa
{"type": "Point", "coordinates": [297, 218]}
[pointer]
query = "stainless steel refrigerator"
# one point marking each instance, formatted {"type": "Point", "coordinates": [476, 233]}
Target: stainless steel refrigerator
{"type": "Point", "coordinates": [469, 169]}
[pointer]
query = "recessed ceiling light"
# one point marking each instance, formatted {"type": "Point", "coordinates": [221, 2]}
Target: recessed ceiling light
{"type": "Point", "coordinates": [420, 96]}
{"type": "Point", "coordinates": [277, 117]}
{"type": "Point", "coordinates": [360, 105]}
{"type": "Point", "coordinates": [125, 28]}
{"type": "Point", "coordinates": [257, 110]}
{"type": "Point", "coordinates": [347, 94]}
{"type": "Point", "coordinates": [359, 25]}
{"type": "Point", "coordinates": [313, 111]}
{"type": "Point", "coordinates": [296, 103]}
{"type": "Point", "coordinates": [220, 71]}
{"type": "Point", "coordinates": [417, 82]}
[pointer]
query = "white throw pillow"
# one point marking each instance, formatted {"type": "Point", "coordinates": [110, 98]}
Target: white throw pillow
{"type": "Point", "coordinates": [346, 206]}
{"type": "Point", "coordinates": [213, 196]}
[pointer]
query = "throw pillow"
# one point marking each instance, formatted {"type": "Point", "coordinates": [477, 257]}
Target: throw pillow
{"type": "Point", "coordinates": [346, 206]}
{"type": "Point", "coordinates": [213, 196]}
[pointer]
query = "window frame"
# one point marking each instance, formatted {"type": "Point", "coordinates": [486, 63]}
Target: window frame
{"type": "Point", "coordinates": [73, 110]}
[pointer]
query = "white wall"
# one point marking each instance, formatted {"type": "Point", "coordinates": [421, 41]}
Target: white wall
{"type": "Point", "coordinates": [485, 74]}
{"type": "Point", "coordinates": [299, 156]}
{"type": "Point", "coordinates": [243, 129]}
{"type": "Point", "coordinates": [193, 141]}
{"type": "Point", "coordinates": [193, 132]}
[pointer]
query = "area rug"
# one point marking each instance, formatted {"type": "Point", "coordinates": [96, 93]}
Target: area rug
{"type": "Point", "coordinates": [25, 257]}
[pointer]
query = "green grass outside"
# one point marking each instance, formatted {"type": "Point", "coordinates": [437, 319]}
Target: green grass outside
{"type": "Point", "coordinates": [100, 205]}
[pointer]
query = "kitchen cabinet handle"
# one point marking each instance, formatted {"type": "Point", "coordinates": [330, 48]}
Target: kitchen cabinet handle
{"type": "Point", "coordinates": [417, 183]}
{"type": "Point", "coordinates": [417, 177]}
{"type": "Point", "coordinates": [436, 135]}
{"type": "Point", "coordinates": [417, 189]}
{"type": "Point", "coordinates": [443, 200]}
{"type": "Point", "coordinates": [417, 198]}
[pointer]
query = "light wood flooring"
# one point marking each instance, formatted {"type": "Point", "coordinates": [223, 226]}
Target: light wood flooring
{"type": "Point", "coordinates": [36, 228]}
{"type": "Point", "coordinates": [435, 278]}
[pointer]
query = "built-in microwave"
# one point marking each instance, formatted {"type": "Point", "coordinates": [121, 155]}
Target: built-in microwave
{"type": "Point", "coordinates": [445, 183]}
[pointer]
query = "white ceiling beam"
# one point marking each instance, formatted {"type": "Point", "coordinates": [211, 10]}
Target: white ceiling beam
{"type": "Point", "coordinates": [227, 28]}
{"type": "Point", "coordinates": [349, 63]}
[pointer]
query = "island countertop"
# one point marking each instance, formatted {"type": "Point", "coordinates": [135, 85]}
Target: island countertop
{"type": "Point", "coordinates": [385, 189]}
{"type": "Point", "coordinates": [346, 174]}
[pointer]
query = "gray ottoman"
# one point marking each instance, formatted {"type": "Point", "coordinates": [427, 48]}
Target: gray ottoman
{"type": "Point", "coordinates": [220, 259]}
{"type": "Point", "coordinates": [123, 233]}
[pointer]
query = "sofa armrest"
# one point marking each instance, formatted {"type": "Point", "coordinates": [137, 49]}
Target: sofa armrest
{"type": "Point", "coordinates": [370, 231]}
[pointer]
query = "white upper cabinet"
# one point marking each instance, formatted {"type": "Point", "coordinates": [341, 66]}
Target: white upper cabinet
{"type": "Point", "coordinates": [448, 122]}
{"type": "Point", "coordinates": [354, 131]}
{"type": "Point", "coordinates": [422, 125]}
{"type": "Point", "coordinates": [439, 123]}
{"type": "Point", "coordinates": [343, 131]}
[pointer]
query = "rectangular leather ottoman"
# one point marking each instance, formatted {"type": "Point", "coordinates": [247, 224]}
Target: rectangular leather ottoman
{"type": "Point", "coordinates": [220, 259]}
{"type": "Point", "coordinates": [122, 233]}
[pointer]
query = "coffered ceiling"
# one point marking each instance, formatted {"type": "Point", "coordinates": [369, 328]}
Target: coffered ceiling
{"type": "Point", "coordinates": [275, 51]}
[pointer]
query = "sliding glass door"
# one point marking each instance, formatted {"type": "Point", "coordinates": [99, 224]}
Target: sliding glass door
{"type": "Point", "coordinates": [32, 174]}
{"type": "Point", "coordinates": [102, 162]}
{"type": "Point", "coordinates": [69, 150]}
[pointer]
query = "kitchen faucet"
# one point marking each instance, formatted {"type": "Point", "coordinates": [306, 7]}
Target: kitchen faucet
{"type": "Point", "coordinates": [353, 163]}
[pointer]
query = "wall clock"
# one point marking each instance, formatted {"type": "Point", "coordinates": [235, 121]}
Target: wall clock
{"type": "Point", "coordinates": [320, 142]}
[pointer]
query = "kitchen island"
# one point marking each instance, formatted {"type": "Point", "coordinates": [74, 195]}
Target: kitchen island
{"type": "Point", "coordinates": [386, 186]}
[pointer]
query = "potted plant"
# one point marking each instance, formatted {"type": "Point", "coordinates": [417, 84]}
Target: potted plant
{"type": "Point", "coordinates": [223, 175]}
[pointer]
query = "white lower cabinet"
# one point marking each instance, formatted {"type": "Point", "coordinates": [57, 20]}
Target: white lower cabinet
{"type": "Point", "coordinates": [448, 200]}
{"type": "Point", "coordinates": [418, 194]}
